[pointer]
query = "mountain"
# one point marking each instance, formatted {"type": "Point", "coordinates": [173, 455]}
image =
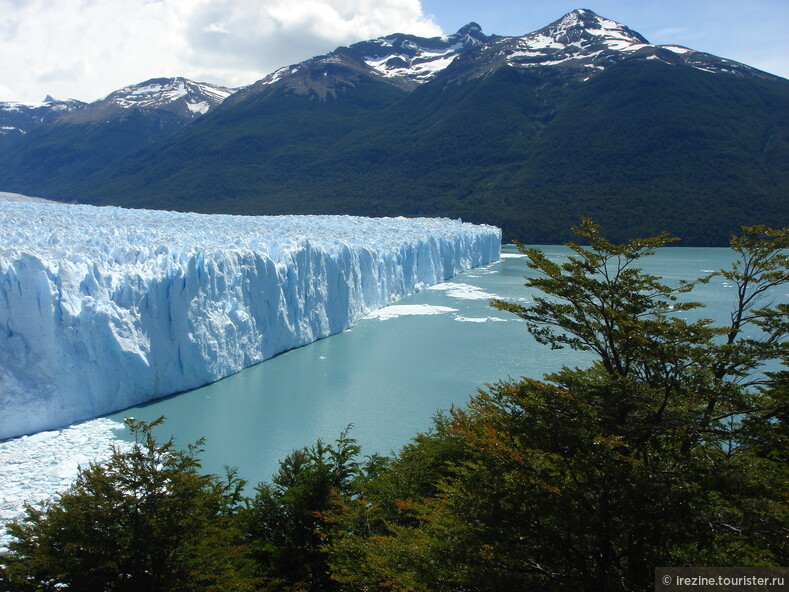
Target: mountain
{"type": "Point", "coordinates": [17, 119]}
{"type": "Point", "coordinates": [402, 60]}
{"type": "Point", "coordinates": [582, 44]}
{"type": "Point", "coordinates": [46, 146]}
{"type": "Point", "coordinates": [184, 99]}
{"type": "Point", "coordinates": [582, 117]}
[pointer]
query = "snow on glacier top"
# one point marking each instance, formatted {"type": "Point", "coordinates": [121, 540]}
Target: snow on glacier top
{"type": "Point", "coordinates": [146, 237]}
{"type": "Point", "coordinates": [4, 196]}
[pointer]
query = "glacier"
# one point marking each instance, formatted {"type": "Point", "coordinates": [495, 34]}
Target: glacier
{"type": "Point", "coordinates": [106, 308]}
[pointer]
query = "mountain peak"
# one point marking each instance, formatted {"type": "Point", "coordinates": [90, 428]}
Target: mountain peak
{"type": "Point", "coordinates": [415, 59]}
{"type": "Point", "coordinates": [402, 60]}
{"type": "Point", "coordinates": [193, 98]}
{"type": "Point", "coordinates": [581, 43]}
{"type": "Point", "coordinates": [182, 98]}
{"type": "Point", "coordinates": [583, 24]}
{"type": "Point", "coordinates": [469, 29]}
{"type": "Point", "coordinates": [578, 46]}
{"type": "Point", "coordinates": [19, 118]}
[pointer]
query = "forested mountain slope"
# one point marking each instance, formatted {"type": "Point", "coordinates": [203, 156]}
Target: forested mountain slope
{"type": "Point", "coordinates": [582, 118]}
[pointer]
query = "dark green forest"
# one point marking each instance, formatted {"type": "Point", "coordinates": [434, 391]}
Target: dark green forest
{"type": "Point", "coordinates": [641, 147]}
{"type": "Point", "coordinates": [671, 449]}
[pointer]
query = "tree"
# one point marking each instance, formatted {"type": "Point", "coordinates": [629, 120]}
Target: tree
{"type": "Point", "coordinates": [284, 523]}
{"type": "Point", "coordinates": [145, 520]}
{"type": "Point", "coordinates": [670, 449]}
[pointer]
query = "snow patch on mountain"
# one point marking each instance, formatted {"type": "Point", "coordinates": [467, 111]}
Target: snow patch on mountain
{"type": "Point", "coordinates": [414, 58]}
{"type": "Point", "coordinates": [580, 35]}
{"type": "Point", "coordinates": [585, 42]}
{"type": "Point", "coordinates": [200, 107]}
{"type": "Point", "coordinates": [677, 48]}
{"type": "Point", "coordinates": [421, 69]}
{"type": "Point", "coordinates": [104, 308]}
{"type": "Point", "coordinates": [414, 61]}
{"type": "Point", "coordinates": [20, 118]}
{"type": "Point", "coordinates": [162, 92]}
{"type": "Point", "coordinates": [404, 60]}
{"type": "Point", "coordinates": [277, 74]}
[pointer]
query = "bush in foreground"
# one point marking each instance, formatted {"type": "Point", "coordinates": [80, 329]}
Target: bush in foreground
{"type": "Point", "coordinates": [147, 519]}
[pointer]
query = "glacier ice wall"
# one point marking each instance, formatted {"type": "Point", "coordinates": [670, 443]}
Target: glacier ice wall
{"type": "Point", "coordinates": [105, 308]}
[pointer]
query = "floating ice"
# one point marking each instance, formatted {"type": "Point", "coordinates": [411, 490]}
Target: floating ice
{"type": "Point", "coordinates": [464, 291]}
{"type": "Point", "coordinates": [401, 310]}
{"type": "Point", "coordinates": [105, 308]}
{"type": "Point", "coordinates": [35, 468]}
{"type": "Point", "coordinates": [463, 319]}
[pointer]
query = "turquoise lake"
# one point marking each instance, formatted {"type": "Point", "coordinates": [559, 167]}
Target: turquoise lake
{"type": "Point", "coordinates": [388, 376]}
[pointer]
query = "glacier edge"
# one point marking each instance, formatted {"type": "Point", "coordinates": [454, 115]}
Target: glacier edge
{"type": "Point", "coordinates": [106, 308]}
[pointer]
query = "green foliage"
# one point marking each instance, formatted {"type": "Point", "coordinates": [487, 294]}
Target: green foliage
{"type": "Point", "coordinates": [51, 159]}
{"type": "Point", "coordinates": [669, 450]}
{"type": "Point", "coordinates": [145, 520]}
{"type": "Point", "coordinates": [284, 523]}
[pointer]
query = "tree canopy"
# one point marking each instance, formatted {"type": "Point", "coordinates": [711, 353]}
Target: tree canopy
{"type": "Point", "coordinates": [145, 520]}
{"type": "Point", "coordinates": [669, 450]}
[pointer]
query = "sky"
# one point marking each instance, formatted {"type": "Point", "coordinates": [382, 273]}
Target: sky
{"type": "Point", "coordinates": [86, 49]}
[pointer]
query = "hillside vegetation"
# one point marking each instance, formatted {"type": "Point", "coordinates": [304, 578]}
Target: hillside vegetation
{"type": "Point", "coordinates": [642, 147]}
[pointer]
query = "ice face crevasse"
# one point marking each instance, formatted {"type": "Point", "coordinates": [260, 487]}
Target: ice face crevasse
{"type": "Point", "coordinates": [105, 308]}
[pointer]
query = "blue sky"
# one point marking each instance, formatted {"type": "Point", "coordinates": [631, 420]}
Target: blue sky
{"type": "Point", "coordinates": [85, 49]}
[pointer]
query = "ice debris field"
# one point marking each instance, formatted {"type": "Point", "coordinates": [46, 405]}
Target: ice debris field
{"type": "Point", "coordinates": [35, 468]}
{"type": "Point", "coordinates": [105, 308]}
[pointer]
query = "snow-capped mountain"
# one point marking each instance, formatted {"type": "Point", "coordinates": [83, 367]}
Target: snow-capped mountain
{"type": "Point", "coordinates": [402, 60]}
{"type": "Point", "coordinates": [159, 93]}
{"type": "Point", "coordinates": [415, 59]}
{"type": "Point", "coordinates": [51, 142]}
{"type": "Point", "coordinates": [20, 118]}
{"type": "Point", "coordinates": [582, 43]}
{"type": "Point", "coordinates": [182, 97]}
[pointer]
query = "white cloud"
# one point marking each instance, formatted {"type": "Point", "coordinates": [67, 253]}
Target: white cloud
{"type": "Point", "coordinates": [86, 49]}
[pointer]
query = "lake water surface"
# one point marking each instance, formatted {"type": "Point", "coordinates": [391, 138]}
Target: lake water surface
{"type": "Point", "coordinates": [391, 373]}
